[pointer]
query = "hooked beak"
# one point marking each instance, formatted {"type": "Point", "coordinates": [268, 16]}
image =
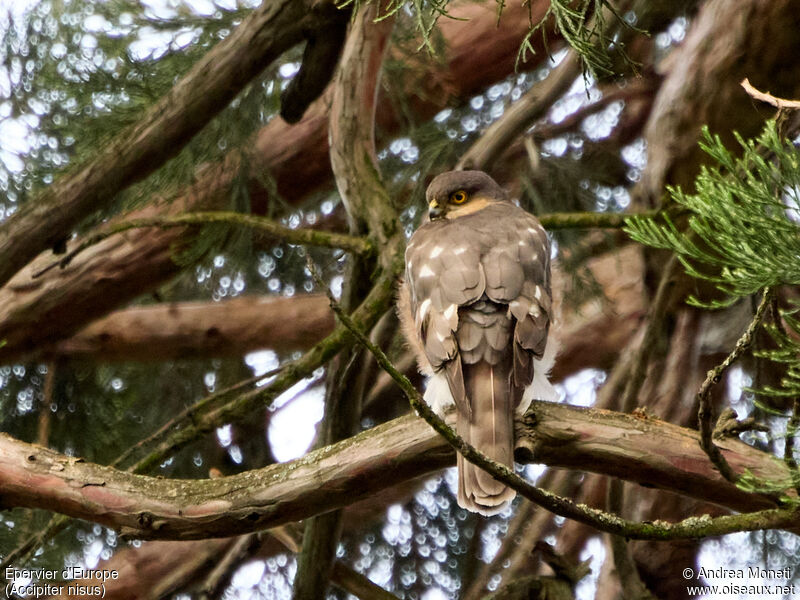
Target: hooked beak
{"type": "Point", "coordinates": [435, 210]}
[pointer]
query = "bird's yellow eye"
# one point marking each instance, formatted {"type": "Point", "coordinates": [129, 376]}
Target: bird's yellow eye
{"type": "Point", "coordinates": [458, 197]}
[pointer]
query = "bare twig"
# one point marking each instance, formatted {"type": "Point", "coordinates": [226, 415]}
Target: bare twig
{"type": "Point", "coordinates": [189, 413]}
{"type": "Point", "coordinates": [779, 103]}
{"type": "Point", "coordinates": [519, 116]}
{"type": "Point", "coordinates": [705, 411]}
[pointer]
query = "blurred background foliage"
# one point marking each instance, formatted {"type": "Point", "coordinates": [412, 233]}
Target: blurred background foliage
{"type": "Point", "coordinates": [74, 72]}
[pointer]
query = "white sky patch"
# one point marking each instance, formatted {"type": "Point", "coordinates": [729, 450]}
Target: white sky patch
{"type": "Point", "coordinates": [249, 574]}
{"type": "Point", "coordinates": [292, 429]}
{"type": "Point", "coordinates": [225, 435]}
{"type": "Point", "coordinates": [573, 100]}
{"type": "Point", "coordinates": [533, 471]}
{"type": "Point", "coordinates": [737, 381]}
{"type": "Point", "coordinates": [434, 594]}
{"type": "Point", "coordinates": [289, 69]}
{"type": "Point", "coordinates": [581, 388]}
{"type": "Point", "coordinates": [397, 529]}
{"type": "Point", "coordinates": [151, 44]}
{"type": "Point", "coordinates": [791, 199]}
{"type": "Point", "coordinates": [596, 550]}
{"type": "Point", "coordinates": [260, 362]}
{"type": "Point", "coordinates": [16, 136]}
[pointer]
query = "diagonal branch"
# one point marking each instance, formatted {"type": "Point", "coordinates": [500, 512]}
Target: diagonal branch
{"type": "Point", "coordinates": [704, 414]}
{"type": "Point", "coordinates": [162, 132]}
{"type": "Point", "coordinates": [369, 209]}
{"type": "Point", "coordinates": [309, 237]}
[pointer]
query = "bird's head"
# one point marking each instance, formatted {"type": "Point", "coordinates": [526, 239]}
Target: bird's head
{"type": "Point", "coordinates": [458, 193]}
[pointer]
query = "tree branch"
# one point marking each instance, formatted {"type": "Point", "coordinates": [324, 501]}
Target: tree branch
{"type": "Point", "coordinates": [558, 505]}
{"type": "Point", "coordinates": [164, 129]}
{"type": "Point", "coordinates": [296, 157]}
{"type": "Point", "coordinates": [355, 168]}
{"type": "Point", "coordinates": [107, 275]}
{"type": "Point", "coordinates": [705, 413]}
{"type": "Point", "coordinates": [197, 329]}
{"type": "Point", "coordinates": [309, 237]}
{"type": "Point", "coordinates": [646, 451]}
{"type": "Point", "coordinates": [655, 324]}
{"type": "Point", "coordinates": [521, 115]}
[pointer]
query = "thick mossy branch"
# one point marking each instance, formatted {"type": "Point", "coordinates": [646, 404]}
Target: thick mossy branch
{"type": "Point", "coordinates": [214, 414]}
{"type": "Point", "coordinates": [310, 237]}
{"type": "Point", "coordinates": [647, 451]}
{"type": "Point", "coordinates": [218, 409]}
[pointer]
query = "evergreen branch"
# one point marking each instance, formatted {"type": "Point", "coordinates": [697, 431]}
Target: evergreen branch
{"type": "Point", "coordinates": [312, 237]}
{"type": "Point", "coordinates": [590, 38]}
{"type": "Point", "coordinates": [691, 528]}
{"type": "Point", "coordinates": [704, 414]}
{"type": "Point", "coordinates": [743, 216]}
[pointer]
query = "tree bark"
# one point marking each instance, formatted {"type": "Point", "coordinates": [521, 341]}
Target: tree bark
{"type": "Point", "coordinates": [727, 42]}
{"type": "Point", "coordinates": [352, 138]}
{"type": "Point", "coordinates": [202, 329]}
{"type": "Point", "coordinates": [480, 50]}
{"type": "Point", "coordinates": [144, 571]}
{"type": "Point", "coordinates": [111, 273]}
{"type": "Point", "coordinates": [635, 448]}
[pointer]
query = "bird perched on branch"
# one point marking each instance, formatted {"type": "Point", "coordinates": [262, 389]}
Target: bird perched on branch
{"type": "Point", "coordinates": [475, 307]}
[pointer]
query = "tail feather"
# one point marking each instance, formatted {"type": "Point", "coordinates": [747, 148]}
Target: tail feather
{"type": "Point", "coordinates": [490, 430]}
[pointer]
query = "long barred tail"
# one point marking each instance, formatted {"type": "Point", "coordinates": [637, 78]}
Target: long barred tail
{"type": "Point", "coordinates": [491, 431]}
